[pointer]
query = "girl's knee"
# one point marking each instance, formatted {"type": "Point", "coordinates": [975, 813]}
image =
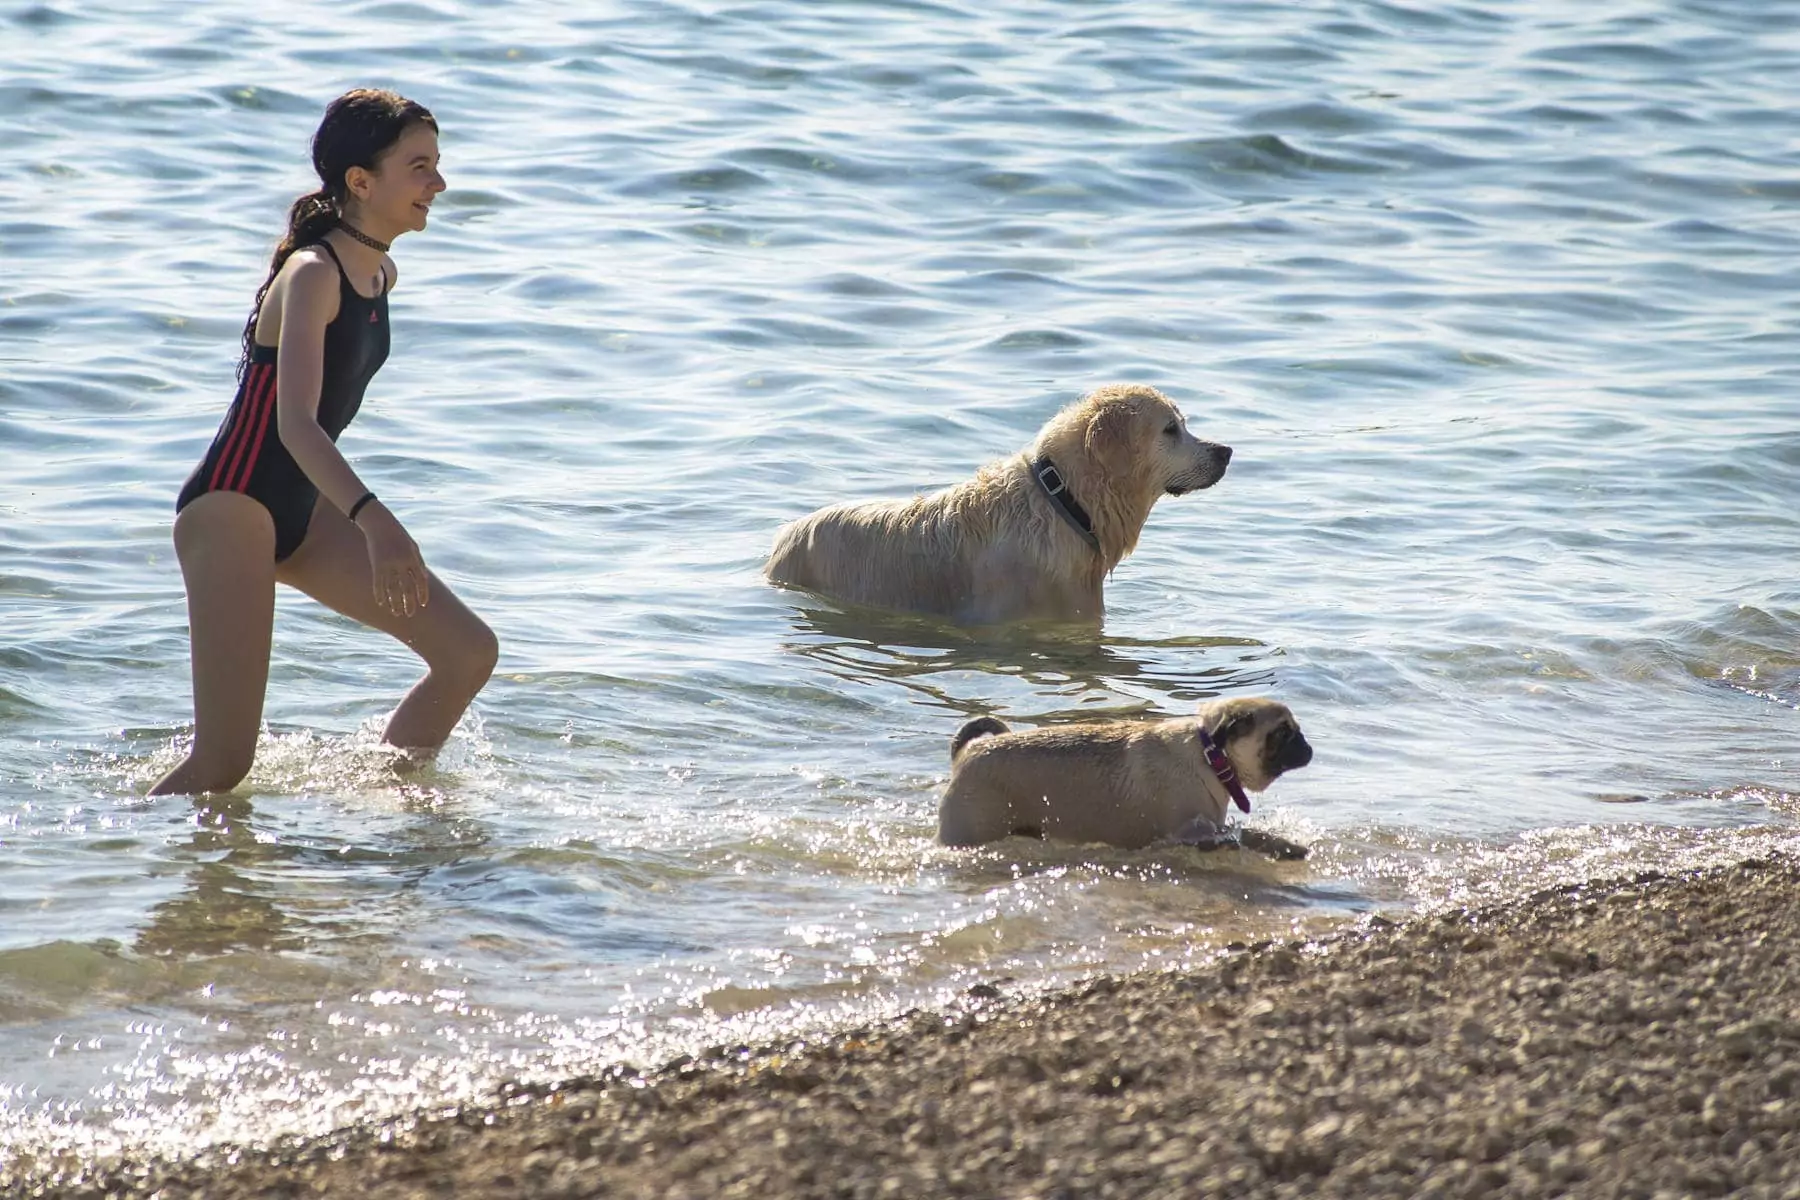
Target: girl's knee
{"type": "Point", "coordinates": [472, 657]}
{"type": "Point", "coordinates": [484, 652]}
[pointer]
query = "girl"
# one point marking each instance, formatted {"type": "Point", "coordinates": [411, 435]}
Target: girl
{"type": "Point", "coordinates": [274, 501]}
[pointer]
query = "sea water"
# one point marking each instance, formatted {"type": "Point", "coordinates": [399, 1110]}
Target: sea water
{"type": "Point", "coordinates": [1495, 301]}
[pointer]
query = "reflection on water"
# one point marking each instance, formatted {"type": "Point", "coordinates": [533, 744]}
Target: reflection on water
{"type": "Point", "coordinates": [230, 902]}
{"type": "Point", "coordinates": [257, 885]}
{"type": "Point", "coordinates": [1013, 672]}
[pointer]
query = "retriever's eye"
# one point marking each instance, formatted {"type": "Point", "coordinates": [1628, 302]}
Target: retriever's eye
{"type": "Point", "coordinates": [1172, 429]}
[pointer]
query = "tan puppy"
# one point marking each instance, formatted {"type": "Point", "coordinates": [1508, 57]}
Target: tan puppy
{"type": "Point", "coordinates": [1031, 536]}
{"type": "Point", "coordinates": [1127, 783]}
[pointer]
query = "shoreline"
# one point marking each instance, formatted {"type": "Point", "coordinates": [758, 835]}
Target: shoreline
{"type": "Point", "coordinates": [1626, 1037]}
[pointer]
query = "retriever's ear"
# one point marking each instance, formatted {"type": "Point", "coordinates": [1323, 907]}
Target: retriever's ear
{"type": "Point", "coordinates": [1109, 434]}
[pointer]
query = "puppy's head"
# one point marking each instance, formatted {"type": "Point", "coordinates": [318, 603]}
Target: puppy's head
{"type": "Point", "coordinates": [1260, 737]}
{"type": "Point", "coordinates": [1139, 435]}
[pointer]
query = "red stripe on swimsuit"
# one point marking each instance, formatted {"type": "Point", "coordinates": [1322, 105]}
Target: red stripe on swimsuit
{"type": "Point", "coordinates": [239, 428]}
{"type": "Point", "coordinates": [265, 408]}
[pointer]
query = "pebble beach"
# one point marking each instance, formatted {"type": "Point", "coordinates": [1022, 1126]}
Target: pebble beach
{"type": "Point", "coordinates": [1625, 1038]}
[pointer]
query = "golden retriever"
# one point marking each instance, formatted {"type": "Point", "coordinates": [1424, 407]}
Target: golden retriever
{"type": "Point", "coordinates": [1126, 783]}
{"type": "Point", "coordinates": [1030, 537]}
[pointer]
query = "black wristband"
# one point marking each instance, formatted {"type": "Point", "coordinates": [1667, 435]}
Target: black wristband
{"type": "Point", "coordinates": [358, 506]}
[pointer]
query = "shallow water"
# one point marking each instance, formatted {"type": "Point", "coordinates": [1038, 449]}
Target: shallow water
{"type": "Point", "coordinates": [1496, 304]}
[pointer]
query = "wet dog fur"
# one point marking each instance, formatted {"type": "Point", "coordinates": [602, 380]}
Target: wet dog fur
{"type": "Point", "coordinates": [995, 548]}
{"type": "Point", "coordinates": [1125, 783]}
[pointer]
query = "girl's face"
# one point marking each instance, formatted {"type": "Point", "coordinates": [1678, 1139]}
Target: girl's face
{"type": "Point", "coordinates": [396, 196]}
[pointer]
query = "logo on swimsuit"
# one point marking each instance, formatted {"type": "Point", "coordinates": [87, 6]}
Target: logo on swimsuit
{"type": "Point", "coordinates": [374, 318]}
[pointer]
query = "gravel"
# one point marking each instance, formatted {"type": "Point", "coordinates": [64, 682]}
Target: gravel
{"type": "Point", "coordinates": [1633, 1037]}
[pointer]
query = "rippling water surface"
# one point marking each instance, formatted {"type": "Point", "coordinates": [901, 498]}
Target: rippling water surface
{"type": "Point", "coordinates": [1496, 302]}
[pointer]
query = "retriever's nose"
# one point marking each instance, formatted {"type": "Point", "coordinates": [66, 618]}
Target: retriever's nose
{"type": "Point", "coordinates": [1224, 453]}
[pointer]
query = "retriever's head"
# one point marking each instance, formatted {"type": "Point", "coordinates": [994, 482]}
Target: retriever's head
{"type": "Point", "coordinates": [1137, 439]}
{"type": "Point", "coordinates": [1124, 445]}
{"type": "Point", "coordinates": [1138, 429]}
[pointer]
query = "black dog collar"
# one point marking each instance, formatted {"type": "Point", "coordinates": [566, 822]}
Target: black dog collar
{"type": "Point", "coordinates": [1055, 487]}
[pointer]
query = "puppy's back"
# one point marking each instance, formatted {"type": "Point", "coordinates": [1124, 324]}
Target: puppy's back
{"type": "Point", "coordinates": [1054, 781]}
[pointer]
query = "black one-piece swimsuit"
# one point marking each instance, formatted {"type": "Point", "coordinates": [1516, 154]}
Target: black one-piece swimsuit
{"type": "Point", "coordinates": [247, 455]}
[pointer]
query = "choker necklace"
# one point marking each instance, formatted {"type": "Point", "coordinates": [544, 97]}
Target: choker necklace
{"type": "Point", "coordinates": [362, 237]}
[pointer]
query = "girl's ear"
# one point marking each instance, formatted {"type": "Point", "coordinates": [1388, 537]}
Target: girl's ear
{"type": "Point", "coordinates": [357, 183]}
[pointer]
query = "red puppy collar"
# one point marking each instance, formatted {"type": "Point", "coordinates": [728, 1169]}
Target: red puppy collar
{"type": "Point", "coordinates": [1221, 766]}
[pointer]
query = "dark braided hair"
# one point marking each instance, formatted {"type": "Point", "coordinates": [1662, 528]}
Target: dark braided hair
{"type": "Point", "coordinates": [358, 128]}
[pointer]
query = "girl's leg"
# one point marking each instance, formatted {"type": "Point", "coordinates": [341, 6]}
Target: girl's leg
{"type": "Point", "coordinates": [332, 566]}
{"type": "Point", "coordinates": [226, 544]}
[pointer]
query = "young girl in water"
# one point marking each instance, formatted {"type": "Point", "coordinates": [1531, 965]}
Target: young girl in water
{"type": "Point", "coordinates": [274, 501]}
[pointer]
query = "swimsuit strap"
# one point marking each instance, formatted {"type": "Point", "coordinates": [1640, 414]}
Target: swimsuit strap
{"type": "Point", "coordinates": [326, 247]}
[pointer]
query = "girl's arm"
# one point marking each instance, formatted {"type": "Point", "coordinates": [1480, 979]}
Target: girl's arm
{"type": "Point", "coordinates": [310, 303]}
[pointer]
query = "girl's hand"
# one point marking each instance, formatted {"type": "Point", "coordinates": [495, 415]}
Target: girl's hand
{"type": "Point", "coordinates": [401, 584]}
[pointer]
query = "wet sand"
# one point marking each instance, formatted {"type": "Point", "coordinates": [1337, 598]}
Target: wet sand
{"type": "Point", "coordinates": [1635, 1037]}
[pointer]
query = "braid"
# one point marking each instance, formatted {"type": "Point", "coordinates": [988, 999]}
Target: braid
{"type": "Point", "coordinates": [309, 218]}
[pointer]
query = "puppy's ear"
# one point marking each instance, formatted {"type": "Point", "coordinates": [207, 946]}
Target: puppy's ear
{"type": "Point", "coordinates": [1109, 434]}
{"type": "Point", "coordinates": [1234, 727]}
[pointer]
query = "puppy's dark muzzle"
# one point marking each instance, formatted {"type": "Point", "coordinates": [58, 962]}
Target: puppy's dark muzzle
{"type": "Point", "coordinates": [1288, 753]}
